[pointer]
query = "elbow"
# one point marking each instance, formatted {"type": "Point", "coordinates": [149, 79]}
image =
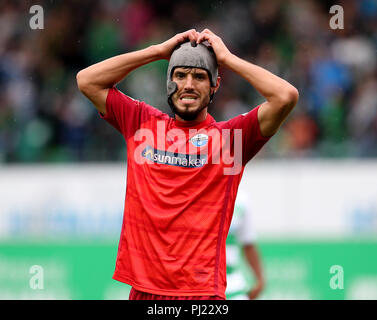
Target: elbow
{"type": "Point", "coordinates": [294, 95]}
{"type": "Point", "coordinates": [82, 82]}
{"type": "Point", "coordinates": [290, 97]}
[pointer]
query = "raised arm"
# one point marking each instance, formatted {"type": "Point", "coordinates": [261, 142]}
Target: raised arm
{"type": "Point", "coordinates": [95, 80]}
{"type": "Point", "coordinates": [281, 96]}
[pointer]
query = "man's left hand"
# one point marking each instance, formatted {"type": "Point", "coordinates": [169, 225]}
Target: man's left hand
{"type": "Point", "coordinates": [220, 49]}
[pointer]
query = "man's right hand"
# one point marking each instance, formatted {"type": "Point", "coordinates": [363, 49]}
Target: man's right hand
{"type": "Point", "coordinates": [166, 48]}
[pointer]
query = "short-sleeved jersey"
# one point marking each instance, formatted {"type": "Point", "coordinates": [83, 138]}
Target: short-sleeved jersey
{"type": "Point", "coordinates": [182, 181]}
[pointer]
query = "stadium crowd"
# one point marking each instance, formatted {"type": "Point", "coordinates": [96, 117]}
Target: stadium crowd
{"type": "Point", "coordinates": [44, 118]}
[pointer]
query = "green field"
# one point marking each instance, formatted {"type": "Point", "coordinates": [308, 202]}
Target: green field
{"type": "Point", "coordinates": [83, 270]}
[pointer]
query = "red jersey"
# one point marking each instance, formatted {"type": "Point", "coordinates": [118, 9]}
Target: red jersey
{"type": "Point", "coordinates": [182, 181]}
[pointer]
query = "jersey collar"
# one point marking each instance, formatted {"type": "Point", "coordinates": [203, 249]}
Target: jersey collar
{"type": "Point", "coordinates": [194, 124]}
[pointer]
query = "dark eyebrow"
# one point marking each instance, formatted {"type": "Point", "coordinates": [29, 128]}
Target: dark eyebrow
{"type": "Point", "coordinates": [185, 70]}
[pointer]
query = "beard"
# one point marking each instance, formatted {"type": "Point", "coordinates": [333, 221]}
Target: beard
{"type": "Point", "coordinates": [187, 113]}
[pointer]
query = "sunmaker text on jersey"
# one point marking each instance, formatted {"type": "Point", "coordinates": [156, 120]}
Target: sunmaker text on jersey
{"type": "Point", "coordinates": [174, 159]}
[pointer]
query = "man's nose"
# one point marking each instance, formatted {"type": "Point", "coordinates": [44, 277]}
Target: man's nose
{"type": "Point", "coordinates": [189, 82]}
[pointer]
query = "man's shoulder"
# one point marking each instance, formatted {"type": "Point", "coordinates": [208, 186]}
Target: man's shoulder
{"type": "Point", "coordinates": [235, 121]}
{"type": "Point", "coordinates": [154, 111]}
{"type": "Point", "coordinates": [121, 97]}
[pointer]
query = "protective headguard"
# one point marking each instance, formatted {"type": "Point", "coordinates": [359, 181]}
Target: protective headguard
{"type": "Point", "coordinates": [195, 56]}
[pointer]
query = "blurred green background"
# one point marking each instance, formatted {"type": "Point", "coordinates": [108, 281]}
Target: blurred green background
{"type": "Point", "coordinates": [83, 270]}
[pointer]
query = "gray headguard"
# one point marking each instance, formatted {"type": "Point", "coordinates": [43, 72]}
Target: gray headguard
{"type": "Point", "coordinates": [195, 56]}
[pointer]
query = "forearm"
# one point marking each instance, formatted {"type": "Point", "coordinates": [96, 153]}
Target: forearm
{"type": "Point", "coordinates": [96, 80]}
{"type": "Point", "coordinates": [107, 73]}
{"type": "Point", "coordinates": [280, 95]}
{"type": "Point", "coordinates": [275, 89]}
{"type": "Point", "coordinates": [253, 260]}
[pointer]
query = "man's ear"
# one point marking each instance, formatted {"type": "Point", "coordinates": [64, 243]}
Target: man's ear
{"type": "Point", "coordinates": [218, 80]}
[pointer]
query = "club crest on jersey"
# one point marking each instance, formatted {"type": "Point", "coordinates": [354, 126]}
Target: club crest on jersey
{"type": "Point", "coordinates": [199, 140]}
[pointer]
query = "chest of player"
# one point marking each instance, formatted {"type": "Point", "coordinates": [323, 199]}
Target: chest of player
{"type": "Point", "coordinates": [187, 148]}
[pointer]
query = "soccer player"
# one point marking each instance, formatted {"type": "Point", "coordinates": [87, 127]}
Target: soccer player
{"type": "Point", "coordinates": [242, 253]}
{"type": "Point", "coordinates": [183, 172]}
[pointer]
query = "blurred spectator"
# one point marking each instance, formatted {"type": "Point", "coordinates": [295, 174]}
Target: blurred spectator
{"type": "Point", "coordinates": [43, 118]}
{"type": "Point", "coordinates": [136, 20]}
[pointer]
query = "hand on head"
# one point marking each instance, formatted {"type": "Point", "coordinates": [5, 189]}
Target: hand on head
{"type": "Point", "coordinates": [194, 36]}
